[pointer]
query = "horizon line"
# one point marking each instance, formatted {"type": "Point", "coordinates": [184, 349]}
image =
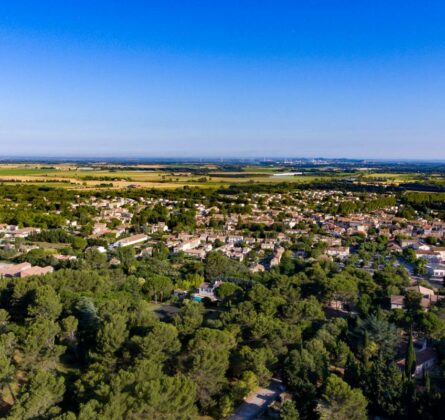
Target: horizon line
{"type": "Point", "coordinates": [256, 158]}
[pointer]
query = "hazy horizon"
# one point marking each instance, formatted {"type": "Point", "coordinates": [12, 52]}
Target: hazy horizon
{"type": "Point", "coordinates": [203, 159]}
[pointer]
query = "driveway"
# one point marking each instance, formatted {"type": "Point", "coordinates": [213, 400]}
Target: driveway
{"type": "Point", "coordinates": [256, 403]}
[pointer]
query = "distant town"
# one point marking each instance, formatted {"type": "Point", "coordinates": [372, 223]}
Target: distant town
{"type": "Point", "coordinates": [345, 271]}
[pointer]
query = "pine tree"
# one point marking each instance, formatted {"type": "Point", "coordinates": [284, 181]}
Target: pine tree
{"type": "Point", "coordinates": [365, 352]}
{"type": "Point", "coordinates": [340, 401]}
{"type": "Point", "coordinates": [426, 381]}
{"type": "Point", "coordinates": [289, 411]}
{"type": "Point", "coordinates": [352, 371]}
{"type": "Point", "coordinates": [410, 361]}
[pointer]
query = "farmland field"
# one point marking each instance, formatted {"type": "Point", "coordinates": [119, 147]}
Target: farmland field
{"type": "Point", "coordinates": [77, 176]}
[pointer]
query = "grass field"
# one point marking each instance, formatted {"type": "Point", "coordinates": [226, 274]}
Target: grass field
{"type": "Point", "coordinates": [161, 176]}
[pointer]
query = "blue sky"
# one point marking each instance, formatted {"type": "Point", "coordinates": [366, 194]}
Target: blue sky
{"type": "Point", "coordinates": [223, 78]}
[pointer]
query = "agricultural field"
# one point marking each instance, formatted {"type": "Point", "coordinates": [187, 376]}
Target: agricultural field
{"type": "Point", "coordinates": [80, 177]}
{"type": "Point", "coordinates": [159, 176]}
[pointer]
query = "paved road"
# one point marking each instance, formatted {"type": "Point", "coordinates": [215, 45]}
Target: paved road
{"type": "Point", "coordinates": [438, 283]}
{"type": "Point", "coordinates": [256, 403]}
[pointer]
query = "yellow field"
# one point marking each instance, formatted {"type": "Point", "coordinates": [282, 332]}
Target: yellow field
{"type": "Point", "coordinates": [74, 176]}
{"type": "Point", "coordinates": [143, 176]}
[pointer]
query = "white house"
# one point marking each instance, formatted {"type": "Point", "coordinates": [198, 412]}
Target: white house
{"type": "Point", "coordinates": [131, 240]}
{"type": "Point", "coordinates": [339, 252]}
{"type": "Point", "coordinates": [436, 270]}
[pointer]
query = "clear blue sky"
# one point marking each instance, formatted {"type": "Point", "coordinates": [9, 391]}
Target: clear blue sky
{"type": "Point", "coordinates": [223, 78]}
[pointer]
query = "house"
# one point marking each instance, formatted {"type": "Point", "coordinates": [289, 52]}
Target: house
{"type": "Point", "coordinates": [131, 240]}
{"type": "Point", "coordinates": [14, 270]}
{"type": "Point", "coordinates": [257, 268]}
{"type": "Point", "coordinates": [409, 243]}
{"type": "Point", "coordinates": [207, 290]}
{"type": "Point", "coordinates": [428, 299]}
{"type": "Point", "coordinates": [36, 271]}
{"type": "Point", "coordinates": [22, 233]}
{"type": "Point", "coordinates": [197, 253]}
{"type": "Point", "coordinates": [426, 359]}
{"type": "Point", "coordinates": [331, 241]}
{"type": "Point", "coordinates": [159, 227]}
{"type": "Point", "coordinates": [436, 270]}
{"type": "Point", "coordinates": [234, 239]}
{"type": "Point", "coordinates": [393, 246]}
{"type": "Point", "coordinates": [430, 256]}
{"type": "Point", "coordinates": [397, 301]}
{"type": "Point", "coordinates": [338, 252]}
{"type": "Point", "coordinates": [114, 262]}
{"type": "Point", "coordinates": [267, 245]}
{"type": "Point", "coordinates": [100, 229]}
{"type": "Point", "coordinates": [180, 293]}
{"type": "Point", "coordinates": [276, 258]}
{"type": "Point", "coordinates": [441, 251]}
{"type": "Point", "coordinates": [146, 252]}
{"type": "Point", "coordinates": [424, 291]}
{"type": "Point", "coordinates": [24, 270]}
{"type": "Point", "coordinates": [60, 257]}
{"type": "Point", "coordinates": [188, 245]}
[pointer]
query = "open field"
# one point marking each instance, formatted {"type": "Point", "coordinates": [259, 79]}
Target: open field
{"type": "Point", "coordinates": [147, 177]}
{"type": "Point", "coordinates": [72, 176]}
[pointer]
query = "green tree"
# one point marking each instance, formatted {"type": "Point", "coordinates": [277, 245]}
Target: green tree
{"type": "Point", "coordinates": [217, 266]}
{"type": "Point", "coordinates": [112, 334]}
{"type": "Point", "coordinates": [95, 259]}
{"type": "Point", "coordinates": [227, 291]}
{"type": "Point", "coordinates": [140, 391]}
{"type": "Point", "coordinates": [141, 318]}
{"type": "Point", "coordinates": [40, 397]}
{"type": "Point", "coordinates": [126, 256]}
{"type": "Point", "coordinates": [341, 402]}
{"type": "Point", "coordinates": [412, 303]}
{"type": "Point", "coordinates": [247, 384]}
{"type": "Point", "coordinates": [410, 360]}
{"type": "Point", "coordinates": [382, 336]}
{"type": "Point", "coordinates": [46, 303]}
{"type": "Point", "coordinates": [304, 371]}
{"type": "Point", "coordinates": [344, 287]}
{"type": "Point", "coordinates": [39, 343]}
{"type": "Point", "coordinates": [86, 313]}
{"type": "Point", "coordinates": [189, 318]}
{"type": "Point", "coordinates": [4, 320]}
{"type": "Point", "coordinates": [383, 386]}
{"type": "Point", "coordinates": [160, 344]}
{"type": "Point", "coordinates": [7, 368]}
{"type": "Point", "coordinates": [79, 243]}
{"type": "Point", "coordinates": [208, 362]}
{"type": "Point", "coordinates": [289, 411]}
{"type": "Point", "coordinates": [158, 287]}
{"type": "Point", "coordinates": [432, 324]}
{"type": "Point", "coordinates": [259, 361]}
{"type": "Point", "coordinates": [69, 333]}
{"type": "Point", "coordinates": [225, 406]}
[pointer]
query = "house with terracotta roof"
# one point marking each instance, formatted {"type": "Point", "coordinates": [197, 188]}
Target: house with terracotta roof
{"type": "Point", "coordinates": [24, 270]}
{"type": "Point", "coordinates": [397, 301]}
